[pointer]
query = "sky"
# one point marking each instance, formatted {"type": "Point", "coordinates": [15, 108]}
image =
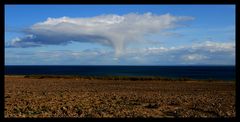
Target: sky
{"type": "Point", "coordinates": [119, 35]}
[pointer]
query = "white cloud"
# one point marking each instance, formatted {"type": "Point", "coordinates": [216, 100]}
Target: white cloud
{"type": "Point", "coordinates": [201, 53]}
{"type": "Point", "coordinates": [212, 46]}
{"type": "Point", "coordinates": [207, 52]}
{"type": "Point", "coordinates": [111, 30]}
{"type": "Point", "coordinates": [194, 57]}
{"type": "Point", "coordinates": [15, 41]}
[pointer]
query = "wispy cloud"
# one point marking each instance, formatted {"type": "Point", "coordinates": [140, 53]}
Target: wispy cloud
{"type": "Point", "coordinates": [206, 52]}
{"type": "Point", "coordinates": [194, 57]}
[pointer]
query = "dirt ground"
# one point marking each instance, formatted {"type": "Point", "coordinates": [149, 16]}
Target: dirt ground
{"type": "Point", "coordinates": [59, 97]}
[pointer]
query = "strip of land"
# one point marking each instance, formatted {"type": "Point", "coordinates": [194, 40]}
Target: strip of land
{"type": "Point", "coordinates": [68, 96]}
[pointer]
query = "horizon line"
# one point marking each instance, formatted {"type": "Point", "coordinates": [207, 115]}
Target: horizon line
{"type": "Point", "coordinates": [129, 65]}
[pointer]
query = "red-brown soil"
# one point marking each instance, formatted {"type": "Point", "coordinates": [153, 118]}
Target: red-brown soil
{"type": "Point", "coordinates": [75, 97]}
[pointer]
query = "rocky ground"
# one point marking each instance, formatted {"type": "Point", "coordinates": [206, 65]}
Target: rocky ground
{"type": "Point", "coordinates": [76, 97]}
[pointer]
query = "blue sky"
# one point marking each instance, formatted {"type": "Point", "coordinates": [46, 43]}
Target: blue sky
{"type": "Point", "coordinates": [119, 34]}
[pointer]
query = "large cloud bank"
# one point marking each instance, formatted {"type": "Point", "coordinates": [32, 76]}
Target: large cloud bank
{"type": "Point", "coordinates": [110, 30]}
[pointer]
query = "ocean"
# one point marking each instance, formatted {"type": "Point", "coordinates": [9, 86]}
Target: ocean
{"type": "Point", "coordinates": [194, 72]}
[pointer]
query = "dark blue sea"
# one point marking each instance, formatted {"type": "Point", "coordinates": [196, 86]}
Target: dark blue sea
{"type": "Point", "coordinates": [194, 72]}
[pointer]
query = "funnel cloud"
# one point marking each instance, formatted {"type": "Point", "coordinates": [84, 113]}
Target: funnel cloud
{"type": "Point", "coordinates": [115, 31]}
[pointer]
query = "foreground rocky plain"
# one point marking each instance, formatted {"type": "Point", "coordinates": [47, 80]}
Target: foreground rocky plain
{"type": "Point", "coordinates": [81, 97]}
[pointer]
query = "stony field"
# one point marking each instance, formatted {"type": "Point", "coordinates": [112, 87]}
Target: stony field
{"type": "Point", "coordinates": [79, 97]}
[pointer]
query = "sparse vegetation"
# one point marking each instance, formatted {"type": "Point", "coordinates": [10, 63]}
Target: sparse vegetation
{"type": "Point", "coordinates": [130, 78]}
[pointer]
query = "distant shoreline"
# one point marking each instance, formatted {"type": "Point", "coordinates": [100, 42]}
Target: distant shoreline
{"type": "Point", "coordinates": [133, 65]}
{"type": "Point", "coordinates": [131, 78]}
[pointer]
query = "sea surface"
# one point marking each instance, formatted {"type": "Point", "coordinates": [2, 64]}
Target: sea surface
{"type": "Point", "coordinates": [194, 72]}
